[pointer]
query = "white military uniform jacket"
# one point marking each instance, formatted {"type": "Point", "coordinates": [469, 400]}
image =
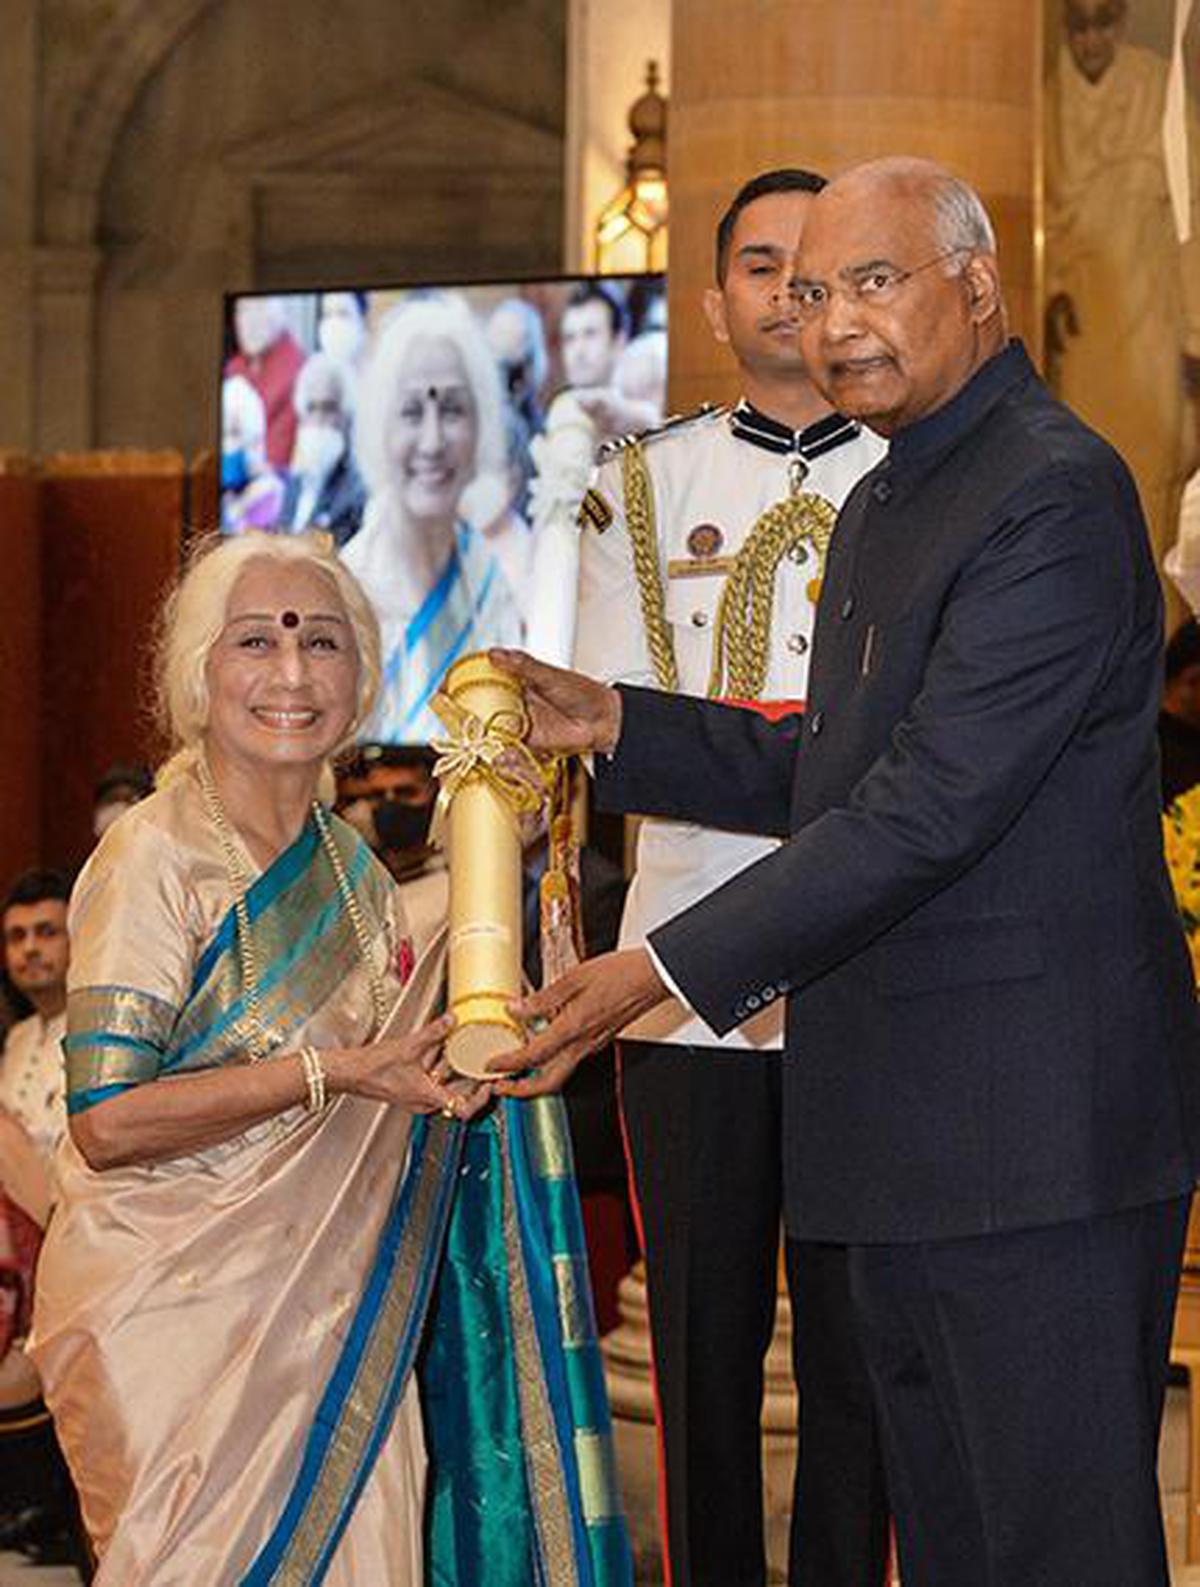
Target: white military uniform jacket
{"type": "Point", "coordinates": [716, 471]}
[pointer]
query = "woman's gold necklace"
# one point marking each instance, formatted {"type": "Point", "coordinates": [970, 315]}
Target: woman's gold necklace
{"type": "Point", "coordinates": [258, 1042]}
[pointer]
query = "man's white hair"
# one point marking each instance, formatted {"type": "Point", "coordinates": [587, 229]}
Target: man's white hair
{"type": "Point", "coordinates": [962, 221]}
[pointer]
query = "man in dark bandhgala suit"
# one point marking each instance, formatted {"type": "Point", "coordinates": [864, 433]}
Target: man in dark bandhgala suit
{"type": "Point", "coordinates": [991, 1082]}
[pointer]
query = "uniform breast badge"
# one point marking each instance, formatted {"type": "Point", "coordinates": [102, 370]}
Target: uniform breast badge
{"type": "Point", "coordinates": [703, 544]}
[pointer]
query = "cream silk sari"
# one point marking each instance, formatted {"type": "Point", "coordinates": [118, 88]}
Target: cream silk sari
{"type": "Point", "coordinates": [227, 1339]}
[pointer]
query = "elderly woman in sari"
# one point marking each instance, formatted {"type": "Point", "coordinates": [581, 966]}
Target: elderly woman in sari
{"type": "Point", "coordinates": [269, 1160]}
{"type": "Point", "coordinates": [431, 422]}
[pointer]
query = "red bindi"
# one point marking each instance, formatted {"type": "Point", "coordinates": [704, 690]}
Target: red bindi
{"type": "Point", "coordinates": [290, 619]}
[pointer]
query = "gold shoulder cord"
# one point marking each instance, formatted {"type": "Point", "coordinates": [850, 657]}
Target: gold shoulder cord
{"type": "Point", "coordinates": [639, 519]}
{"type": "Point", "coordinates": [742, 636]}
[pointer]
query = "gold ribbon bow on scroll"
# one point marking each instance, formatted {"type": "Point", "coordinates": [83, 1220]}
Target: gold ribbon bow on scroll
{"type": "Point", "coordinates": [490, 778]}
{"type": "Point", "coordinates": [492, 748]}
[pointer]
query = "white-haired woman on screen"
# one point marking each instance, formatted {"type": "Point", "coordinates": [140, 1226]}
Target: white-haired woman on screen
{"type": "Point", "coordinates": [431, 420]}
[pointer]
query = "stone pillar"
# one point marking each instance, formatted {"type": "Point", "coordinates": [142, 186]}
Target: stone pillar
{"type": "Point", "coordinates": [760, 83]}
{"type": "Point", "coordinates": [64, 328]}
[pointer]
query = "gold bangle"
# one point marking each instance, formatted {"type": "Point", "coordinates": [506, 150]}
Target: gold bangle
{"type": "Point", "coordinates": [314, 1079]}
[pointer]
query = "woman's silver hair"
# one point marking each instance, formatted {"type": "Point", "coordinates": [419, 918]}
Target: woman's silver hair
{"type": "Point", "coordinates": [193, 617]}
{"type": "Point", "coordinates": [445, 317]}
{"type": "Point", "coordinates": [962, 221]}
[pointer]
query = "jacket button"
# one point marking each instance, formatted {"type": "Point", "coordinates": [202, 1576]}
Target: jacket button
{"type": "Point", "coordinates": [768, 994]}
{"type": "Point", "coordinates": [848, 608]}
{"type": "Point", "coordinates": [797, 644]}
{"type": "Point", "coordinates": [752, 1002]}
{"type": "Point", "coordinates": [817, 723]}
{"type": "Point", "coordinates": [798, 554]}
{"type": "Point", "coordinates": [882, 490]}
{"type": "Point", "coordinates": [700, 619]}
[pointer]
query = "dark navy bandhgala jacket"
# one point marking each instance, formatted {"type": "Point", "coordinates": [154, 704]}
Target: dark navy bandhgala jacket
{"type": "Point", "coordinates": [991, 1014]}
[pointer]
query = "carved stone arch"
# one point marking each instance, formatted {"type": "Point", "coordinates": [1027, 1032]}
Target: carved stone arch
{"type": "Point", "coordinates": [87, 118]}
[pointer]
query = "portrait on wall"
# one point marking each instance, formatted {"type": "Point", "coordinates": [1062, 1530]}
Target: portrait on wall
{"type": "Point", "coordinates": [1122, 317]}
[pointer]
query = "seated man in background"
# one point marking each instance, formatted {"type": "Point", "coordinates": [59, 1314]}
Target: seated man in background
{"type": "Point", "coordinates": [37, 1503]}
{"type": "Point", "coordinates": [387, 792]}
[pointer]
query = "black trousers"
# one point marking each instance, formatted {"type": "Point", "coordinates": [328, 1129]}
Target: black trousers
{"type": "Point", "coordinates": [703, 1130]}
{"type": "Point", "coordinates": [1020, 1380]}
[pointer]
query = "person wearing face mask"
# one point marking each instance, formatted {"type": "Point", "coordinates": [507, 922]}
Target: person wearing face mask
{"type": "Point", "coordinates": [342, 328]}
{"type": "Point", "coordinates": [324, 489]}
{"type": "Point", "coordinates": [387, 793]}
{"type": "Point", "coordinates": [430, 422]}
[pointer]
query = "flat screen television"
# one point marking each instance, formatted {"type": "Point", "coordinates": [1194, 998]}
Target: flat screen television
{"type": "Point", "coordinates": [439, 435]}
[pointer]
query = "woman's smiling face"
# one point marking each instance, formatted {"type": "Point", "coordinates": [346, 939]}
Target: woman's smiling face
{"type": "Point", "coordinates": [283, 673]}
{"type": "Point", "coordinates": [432, 430]}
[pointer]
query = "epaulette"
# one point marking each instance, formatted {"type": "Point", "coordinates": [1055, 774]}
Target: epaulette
{"type": "Point", "coordinates": [678, 421]}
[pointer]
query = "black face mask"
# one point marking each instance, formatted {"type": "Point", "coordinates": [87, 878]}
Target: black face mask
{"type": "Point", "coordinates": [401, 826]}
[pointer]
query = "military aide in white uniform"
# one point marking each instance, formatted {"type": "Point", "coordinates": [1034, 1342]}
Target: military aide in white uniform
{"type": "Point", "coordinates": [702, 547]}
{"type": "Point", "coordinates": [713, 478]}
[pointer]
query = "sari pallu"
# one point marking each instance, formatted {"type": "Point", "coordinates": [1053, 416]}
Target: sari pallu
{"type": "Point", "coordinates": [228, 1338]}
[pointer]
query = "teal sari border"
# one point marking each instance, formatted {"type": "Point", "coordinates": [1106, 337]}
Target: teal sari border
{"type": "Point", "coordinates": [522, 1477]}
{"type": "Point", "coordinates": [306, 947]}
{"type": "Point", "coordinates": [287, 1557]}
{"type": "Point", "coordinates": [552, 1237]}
{"type": "Point", "coordinates": [286, 869]}
{"type": "Point", "coordinates": [81, 1101]}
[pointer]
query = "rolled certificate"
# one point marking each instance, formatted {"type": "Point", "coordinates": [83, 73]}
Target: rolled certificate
{"type": "Point", "coordinates": [484, 711]}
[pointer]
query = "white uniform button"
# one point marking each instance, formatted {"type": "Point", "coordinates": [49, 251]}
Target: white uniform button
{"type": "Point", "coordinates": [768, 994]}
{"type": "Point", "coordinates": [798, 554]}
{"type": "Point", "coordinates": [699, 619]}
{"type": "Point", "coordinates": [797, 644]}
{"type": "Point", "coordinates": [752, 1002]}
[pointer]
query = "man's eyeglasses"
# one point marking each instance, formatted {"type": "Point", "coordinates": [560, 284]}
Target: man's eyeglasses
{"type": "Point", "coordinates": [878, 284]}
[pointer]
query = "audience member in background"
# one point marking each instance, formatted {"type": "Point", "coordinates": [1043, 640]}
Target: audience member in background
{"type": "Point", "coordinates": [251, 490]}
{"type": "Point", "coordinates": [518, 342]}
{"type": "Point", "coordinates": [342, 327]}
{"type": "Point", "coordinates": [431, 419]}
{"type": "Point", "coordinates": [323, 489]}
{"type": "Point", "coordinates": [269, 357]}
{"type": "Point", "coordinates": [1179, 719]}
{"type": "Point", "coordinates": [637, 398]}
{"type": "Point", "coordinates": [38, 1514]}
{"type": "Point", "coordinates": [632, 398]}
{"type": "Point", "coordinates": [121, 786]}
{"type": "Point", "coordinates": [36, 952]}
{"type": "Point", "coordinates": [591, 336]}
{"type": "Point", "coordinates": [387, 793]}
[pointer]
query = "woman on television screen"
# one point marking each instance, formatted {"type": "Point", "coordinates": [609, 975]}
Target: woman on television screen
{"type": "Point", "coordinates": [431, 420]}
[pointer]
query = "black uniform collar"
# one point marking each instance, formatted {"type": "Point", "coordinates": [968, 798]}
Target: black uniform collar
{"type": "Point", "coordinates": [749, 423]}
{"type": "Point", "coordinates": [916, 447]}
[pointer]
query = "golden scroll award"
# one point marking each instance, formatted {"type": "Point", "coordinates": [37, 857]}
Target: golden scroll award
{"type": "Point", "coordinates": [489, 779]}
